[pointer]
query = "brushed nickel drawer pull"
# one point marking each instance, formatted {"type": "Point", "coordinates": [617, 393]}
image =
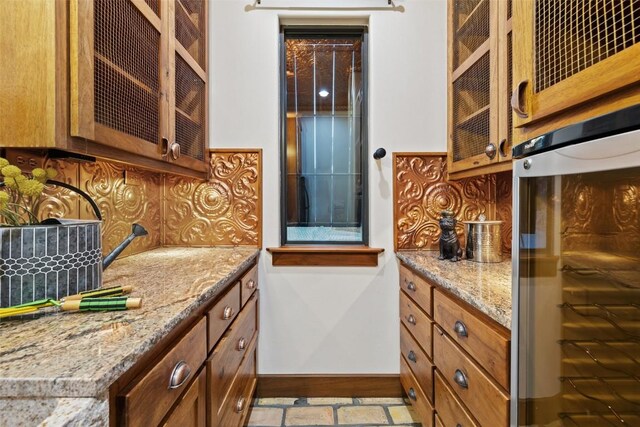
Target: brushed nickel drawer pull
{"type": "Point", "coordinates": [242, 344]}
{"type": "Point", "coordinates": [251, 284]}
{"type": "Point", "coordinates": [460, 329]}
{"type": "Point", "coordinates": [180, 374]}
{"type": "Point", "coordinates": [240, 405]}
{"type": "Point", "coordinates": [227, 313]}
{"type": "Point", "coordinates": [411, 286]}
{"type": "Point", "coordinates": [412, 356]}
{"type": "Point", "coordinates": [411, 319]}
{"type": "Point", "coordinates": [412, 394]}
{"type": "Point", "coordinates": [460, 379]}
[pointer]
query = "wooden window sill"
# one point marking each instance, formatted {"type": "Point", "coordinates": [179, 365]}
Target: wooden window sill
{"type": "Point", "coordinates": [327, 256]}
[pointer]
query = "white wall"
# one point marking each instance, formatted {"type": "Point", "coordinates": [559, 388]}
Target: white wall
{"type": "Point", "coordinates": [331, 320]}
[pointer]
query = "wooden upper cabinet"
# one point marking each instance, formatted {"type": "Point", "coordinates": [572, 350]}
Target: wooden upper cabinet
{"type": "Point", "coordinates": [134, 85]}
{"type": "Point", "coordinates": [479, 62]}
{"type": "Point", "coordinates": [573, 60]}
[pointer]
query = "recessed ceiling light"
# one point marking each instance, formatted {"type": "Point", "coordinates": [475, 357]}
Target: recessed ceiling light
{"type": "Point", "coordinates": [323, 93]}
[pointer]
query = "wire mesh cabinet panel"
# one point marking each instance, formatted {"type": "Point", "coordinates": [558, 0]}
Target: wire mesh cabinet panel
{"type": "Point", "coordinates": [188, 100]}
{"type": "Point", "coordinates": [478, 62]}
{"type": "Point", "coordinates": [123, 76]}
{"type": "Point", "coordinates": [568, 53]}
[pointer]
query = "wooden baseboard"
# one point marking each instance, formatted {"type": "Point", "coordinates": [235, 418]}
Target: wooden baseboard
{"type": "Point", "coordinates": [329, 386]}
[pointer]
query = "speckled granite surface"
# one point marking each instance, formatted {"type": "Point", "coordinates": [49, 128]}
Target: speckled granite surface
{"type": "Point", "coordinates": [82, 354]}
{"type": "Point", "coordinates": [486, 286]}
{"type": "Point", "coordinates": [55, 412]}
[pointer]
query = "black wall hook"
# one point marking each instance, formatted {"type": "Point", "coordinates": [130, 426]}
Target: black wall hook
{"type": "Point", "coordinates": [379, 153]}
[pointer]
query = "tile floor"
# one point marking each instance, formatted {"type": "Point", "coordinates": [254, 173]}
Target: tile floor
{"type": "Point", "coordinates": [331, 411]}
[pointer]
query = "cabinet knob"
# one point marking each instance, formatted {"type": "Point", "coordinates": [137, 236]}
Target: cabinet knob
{"type": "Point", "coordinates": [460, 329]}
{"type": "Point", "coordinates": [411, 319]}
{"type": "Point", "coordinates": [227, 313]}
{"type": "Point", "coordinates": [251, 284]}
{"type": "Point", "coordinates": [242, 344]}
{"type": "Point", "coordinates": [411, 286]}
{"type": "Point", "coordinates": [179, 375]}
{"type": "Point", "coordinates": [460, 379]}
{"type": "Point", "coordinates": [412, 356]}
{"type": "Point", "coordinates": [412, 394]}
{"type": "Point", "coordinates": [240, 405]}
{"type": "Point", "coordinates": [174, 150]}
{"type": "Point", "coordinates": [490, 150]}
{"type": "Point", "coordinates": [516, 102]}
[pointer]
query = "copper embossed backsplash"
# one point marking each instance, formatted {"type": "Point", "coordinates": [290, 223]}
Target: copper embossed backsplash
{"type": "Point", "coordinates": [421, 192]}
{"type": "Point", "coordinates": [601, 212]}
{"type": "Point", "coordinates": [226, 210]}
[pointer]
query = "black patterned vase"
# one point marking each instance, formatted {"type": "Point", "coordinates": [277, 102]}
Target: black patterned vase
{"type": "Point", "coordinates": [49, 261]}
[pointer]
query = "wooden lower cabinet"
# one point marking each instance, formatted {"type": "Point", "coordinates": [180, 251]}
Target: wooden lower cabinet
{"type": "Point", "coordinates": [455, 366]}
{"type": "Point", "coordinates": [192, 408]}
{"type": "Point", "coordinates": [206, 376]}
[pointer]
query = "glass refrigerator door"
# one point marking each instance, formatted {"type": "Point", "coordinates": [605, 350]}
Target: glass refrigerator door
{"type": "Point", "coordinates": [579, 299]}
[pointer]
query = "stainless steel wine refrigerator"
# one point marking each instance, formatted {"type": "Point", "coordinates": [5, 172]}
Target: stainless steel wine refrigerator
{"type": "Point", "coordinates": [576, 275]}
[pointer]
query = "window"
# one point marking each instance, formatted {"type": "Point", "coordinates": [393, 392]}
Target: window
{"type": "Point", "coordinates": [324, 136]}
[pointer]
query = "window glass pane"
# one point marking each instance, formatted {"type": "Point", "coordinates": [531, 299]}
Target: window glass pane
{"type": "Point", "coordinates": [323, 193]}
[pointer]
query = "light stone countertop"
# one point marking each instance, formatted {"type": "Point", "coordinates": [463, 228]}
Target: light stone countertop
{"type": "Point", "coordinates": [63, 355]}
{"type": "Point", "coordinates": [485, 286]}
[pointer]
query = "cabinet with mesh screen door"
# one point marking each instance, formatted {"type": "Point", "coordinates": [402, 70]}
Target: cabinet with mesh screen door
{"type": "Point", "coordinates": [479, 77]}
{"type": "Point", "coordinates": [124, 80]}
{"type": "Point", "coordinates": [574, 60]}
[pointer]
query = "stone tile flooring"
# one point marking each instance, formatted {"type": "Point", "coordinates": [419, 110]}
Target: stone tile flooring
{"type": "Point", "coordinates": [331, 411]}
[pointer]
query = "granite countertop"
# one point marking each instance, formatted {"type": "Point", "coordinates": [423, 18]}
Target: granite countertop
{"type": "Point", "coordinates": [66, 355]}
{"type": "Point", "coordinates": [485, 286]}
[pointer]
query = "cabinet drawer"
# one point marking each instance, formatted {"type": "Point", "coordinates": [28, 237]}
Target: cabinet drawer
{"type": "Point", "coordinates": [416, 395]}
{"type": "Point", "coordinates": [437, 421]}
{"type": "Point", "coordinates": [487, 343]}
{"type": "Point", "coordinates": [417, 288]}
{"type": "Point", "coordinates": [227, 355]}
{"type": "Point", "coordinates": [248, 284]}
{"type": "Point", "coordinates": [449, 408]}
{"type": "Point", "coordinates": [418, 361]}
{"type": "Point", "coordinates": [148, 401]}
{"type": "Point", "coordinates": [236, 405]}
{"type": "Point", "coordinates": [191, 411]}
{"type": "Point", "coordinates": [418, 323]}
{"type": "Point", "coordinates": [485, 400]}
{"type": "Point", "coordinates": [222, 314]}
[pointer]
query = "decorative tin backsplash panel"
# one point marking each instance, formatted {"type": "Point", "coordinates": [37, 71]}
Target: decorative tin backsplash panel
{"type": "Point", "coordinates": [138, 201]}
{"type": "Point", "coordinates": [586, 225]}
{"type": "Point", "coordinates": [226, 210]}
{"type": "Point", "coordinates": [421, 192]}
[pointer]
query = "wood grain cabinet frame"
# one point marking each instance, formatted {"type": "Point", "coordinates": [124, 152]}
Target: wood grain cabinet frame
{"type": "Point", "coordinates": [560, 79]}
{"type": "Point", "coordinates": [108, 79]}
{"type": "Point", "coordinates": [479, 80]}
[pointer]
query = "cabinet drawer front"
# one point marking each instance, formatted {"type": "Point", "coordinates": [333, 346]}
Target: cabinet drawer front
{"type": "Point", "coordinates": [222, 314]}
{"type": "Point", "coordinates": [438, 422]}
{"type": "Point", "coordinates": [151, 397]}
{"type": "Point", "coordinates": [418, 323]}
{"type": "Point", "coordinates": [226, 357]}
{"type": "Point", "coordinates": [248, 284]}
{"type": "Point", "coordinates": [417, 288]}
{"type": "Point", "coordinates": [236, 406]}
{"type": "Point", "coordinates": [418, 361]}
{"type": "Point", "coordinates": [485, 400]}
{"type": "Point", "coordinates": [191, 411]}
{"type": "Point", "coordinates": [449, 408]}
{"type": "Point", "coordinates": [416, 395]}
{"type": "Point", "coordinates": [487, 343]}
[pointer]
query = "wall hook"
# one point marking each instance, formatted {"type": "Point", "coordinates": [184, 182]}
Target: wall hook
{"type": "Point", "coordinates": [379, 153]}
